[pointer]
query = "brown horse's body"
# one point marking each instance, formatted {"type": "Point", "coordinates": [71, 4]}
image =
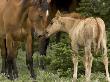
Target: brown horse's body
{"type": "Point", "coordinates": [16, 23]}
{"type": "Point", "coordinates": [12, 13]}
{"type": "Point", "coordinates": [83, 32]}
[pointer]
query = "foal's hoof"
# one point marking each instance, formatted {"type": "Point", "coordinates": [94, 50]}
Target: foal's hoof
{"type": "Point", "coordinates": [34, 81]}
{"type": "Point", "coordinates": [74, 80]}
{"type": "Point", "coordinates": [108, 79]}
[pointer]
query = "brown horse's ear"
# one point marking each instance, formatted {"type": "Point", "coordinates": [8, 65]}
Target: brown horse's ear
{"type": "Point", "coordinates": [49, 1]}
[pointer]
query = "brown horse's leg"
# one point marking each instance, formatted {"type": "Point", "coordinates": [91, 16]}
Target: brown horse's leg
{"type": "Point", "coordinates": [3, 55]}
{"type": "Point", "coordinates": [43, 43]}
{"type": "Point", "coordinates": [11, 56]}
{"type": "Point", "coordinates": [58, 36]}
{"type": "Point", "coordinates": [14, 67]}
{"type": "Point", "coordinates": [29, 54]}
{"type": "Point", "coordinates": [15, 71]}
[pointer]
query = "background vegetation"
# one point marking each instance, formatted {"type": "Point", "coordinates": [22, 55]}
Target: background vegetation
{"type": "Point", "coordinates": [58, 59]}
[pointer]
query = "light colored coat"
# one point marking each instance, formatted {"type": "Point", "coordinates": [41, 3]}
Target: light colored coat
{"type": "Point", "coordinates": [82, 32]}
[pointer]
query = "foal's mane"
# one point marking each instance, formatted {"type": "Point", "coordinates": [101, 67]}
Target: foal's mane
{"type": "Point", "coordinates": [73, 15]}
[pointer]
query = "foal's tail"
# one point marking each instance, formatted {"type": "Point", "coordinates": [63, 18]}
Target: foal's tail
{"type": "Point", "coordinates": [102, 32]}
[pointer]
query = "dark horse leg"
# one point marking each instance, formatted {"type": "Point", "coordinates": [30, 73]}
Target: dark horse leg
{"type": "Point", "coordinates": [11, 58]}
{"type": "Point", "coordinates": [3, 55]}
{"type": "Point", "coordinates": [43, 43]}
{"type": "Point", "coordinates": [58, 35]}
{"type": "Point", "coordinates": [29, 54]}
{"type": "Point", "coordinates": [14, 67]}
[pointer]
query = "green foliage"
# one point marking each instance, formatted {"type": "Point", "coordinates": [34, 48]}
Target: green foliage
{"type": "Point", "coordinates": [47, 75]}
{"type": "Point", "coordinates": [94, 7]}
{"type": "Point", "coordinates": [61, 60]}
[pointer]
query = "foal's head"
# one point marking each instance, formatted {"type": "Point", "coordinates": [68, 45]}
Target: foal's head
{"type": "Point", "coordinates": [55, 26]}
{"type": "Point", "coordinates": [38, 16]}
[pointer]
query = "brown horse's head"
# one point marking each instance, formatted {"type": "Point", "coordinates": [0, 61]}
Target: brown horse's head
{"type": "Point", "coordinates": [38, 15]}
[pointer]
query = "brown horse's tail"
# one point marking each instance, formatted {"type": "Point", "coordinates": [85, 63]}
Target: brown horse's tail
{"type": "Point", "coordinates": [101, 31]}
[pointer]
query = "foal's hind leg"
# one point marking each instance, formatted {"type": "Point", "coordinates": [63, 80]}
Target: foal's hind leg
{"type": "Point", "coordinates": [105, 58]}
{"type": "Point", "coordinates": [88, 61]}
{"type": "Point", "coordinates": [29, 54]}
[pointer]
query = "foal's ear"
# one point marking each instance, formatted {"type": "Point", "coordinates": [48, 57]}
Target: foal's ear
{"type": "Point", "coordinates": [58, 14]}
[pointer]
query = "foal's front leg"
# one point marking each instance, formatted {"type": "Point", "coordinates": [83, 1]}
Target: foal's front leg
{"type": "Point", "coordinates": [29, 54]}
{"type": "Point", "coordinates": [75, 61]}
{"type": "Point", "coordinates": [88, 62]}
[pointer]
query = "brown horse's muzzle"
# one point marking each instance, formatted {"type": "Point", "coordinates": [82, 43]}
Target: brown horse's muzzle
{"type": "Point", "coordinates": [39, 34]}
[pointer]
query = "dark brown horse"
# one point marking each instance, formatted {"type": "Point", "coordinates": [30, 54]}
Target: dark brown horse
{"type": "Point", "coordinates": [16, 22]}
{"type": "Point", "coordinates": [39, 18]}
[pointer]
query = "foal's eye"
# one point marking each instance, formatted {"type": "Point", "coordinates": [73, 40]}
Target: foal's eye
{"type": "Point", "coordinates": [51, 22]}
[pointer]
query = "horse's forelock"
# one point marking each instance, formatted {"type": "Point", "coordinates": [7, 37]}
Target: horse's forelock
{"type": "Point", "coordinates": [47, 13]}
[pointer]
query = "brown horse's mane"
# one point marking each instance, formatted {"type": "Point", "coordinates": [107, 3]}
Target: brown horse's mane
{"type": "Point", "coordinates": [43, 4]}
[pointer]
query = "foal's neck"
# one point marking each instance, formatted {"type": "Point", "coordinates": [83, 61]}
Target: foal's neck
{"type": "Point", "coordinates": [69, 24]}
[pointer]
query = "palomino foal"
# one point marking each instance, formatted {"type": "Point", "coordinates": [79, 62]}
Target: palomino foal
{"type": "Point", "coordinates": [82, 32]}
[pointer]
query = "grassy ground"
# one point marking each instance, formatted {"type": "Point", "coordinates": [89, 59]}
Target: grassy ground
{"type": "Point", "coordinates": [44, 76]}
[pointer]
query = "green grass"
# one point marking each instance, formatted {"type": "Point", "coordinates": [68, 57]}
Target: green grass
{"type": "Point", "coordinates": [44, 76]}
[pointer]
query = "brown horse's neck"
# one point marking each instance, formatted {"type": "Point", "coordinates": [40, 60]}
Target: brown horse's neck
{"type": "Point", "coordinates": [19, 12]}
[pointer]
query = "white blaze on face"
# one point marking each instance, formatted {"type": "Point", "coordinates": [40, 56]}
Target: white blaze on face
{"type": "Point", "coordinates": [47, 13]}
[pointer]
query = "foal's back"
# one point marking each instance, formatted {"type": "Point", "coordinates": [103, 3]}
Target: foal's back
{"type": "Point", "coordinates": [86, 29]}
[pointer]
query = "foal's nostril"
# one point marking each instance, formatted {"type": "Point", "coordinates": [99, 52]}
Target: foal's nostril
{"type": "Point", "coordinates": [39, 36]}
{"type": "Point", "coordinates": [46, 33]}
